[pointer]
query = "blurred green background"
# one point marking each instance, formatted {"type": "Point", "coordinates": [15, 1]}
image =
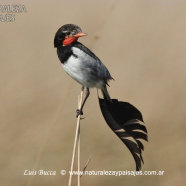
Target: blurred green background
{"type": "Point", "coordinates": [142, 43]}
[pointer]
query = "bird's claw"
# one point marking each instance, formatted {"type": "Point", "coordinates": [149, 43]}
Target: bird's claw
{"type": "Point", "coordinates": [79, 112]}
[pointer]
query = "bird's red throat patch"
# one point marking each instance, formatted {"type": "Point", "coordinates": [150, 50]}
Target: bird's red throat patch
{"type": "Point", "coordinates": [69, 40]}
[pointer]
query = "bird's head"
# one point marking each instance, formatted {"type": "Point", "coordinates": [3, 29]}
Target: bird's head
{"type": "Point", "coordinates": [67, 35]}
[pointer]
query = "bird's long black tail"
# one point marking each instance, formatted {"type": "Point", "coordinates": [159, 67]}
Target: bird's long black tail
{"type": "Point", "coordinates": [105, 93]}
{"type": "Point", "coordinates": [126, 122]}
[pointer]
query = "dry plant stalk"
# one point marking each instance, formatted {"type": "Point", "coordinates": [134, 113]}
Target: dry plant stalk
{"type": "Point", "coordinates": [79, 106]}
{"type": "Point", "coordinates": [77, 138]}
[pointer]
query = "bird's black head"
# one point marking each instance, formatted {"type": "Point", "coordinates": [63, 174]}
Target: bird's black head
{"type": "Point", "coordinates": [67, 35]}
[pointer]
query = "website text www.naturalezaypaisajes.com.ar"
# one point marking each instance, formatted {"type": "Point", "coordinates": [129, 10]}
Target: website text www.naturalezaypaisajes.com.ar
{"type": "Point", "coordinates": [114, 173]}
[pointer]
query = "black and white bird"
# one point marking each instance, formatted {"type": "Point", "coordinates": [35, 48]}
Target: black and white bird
{"type": "Point", "coordinates": [87, 69]}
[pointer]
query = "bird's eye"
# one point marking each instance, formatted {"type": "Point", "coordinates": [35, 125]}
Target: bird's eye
{"type": "Point", "coordinates": [67, 33]}
{"type": "Point", "coordinates": [59, 37]}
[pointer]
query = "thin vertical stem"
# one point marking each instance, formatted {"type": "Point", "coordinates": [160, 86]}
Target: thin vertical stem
{"type": "Point", "coordinates": [79, 157]}
{"type": "Point", "coordinates": [79, 106]}
{"type": "Point", "coordinates": [75, 141]}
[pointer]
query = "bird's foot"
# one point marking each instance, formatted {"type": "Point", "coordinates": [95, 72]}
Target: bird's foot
{"type": "Point", "coordinates": [79, 112]}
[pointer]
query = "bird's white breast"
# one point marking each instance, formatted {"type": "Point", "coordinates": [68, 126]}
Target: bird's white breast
{"type": "Point", "coordinates": [75, 66]}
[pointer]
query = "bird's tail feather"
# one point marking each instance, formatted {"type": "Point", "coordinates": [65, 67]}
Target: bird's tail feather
{"type": "Point", "coordinates": [126, 122]}
{"type": "Point", "coordinates": [105, 93]}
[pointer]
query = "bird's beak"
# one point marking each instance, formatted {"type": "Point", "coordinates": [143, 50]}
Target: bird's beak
{"type": "Point", "coordinates": [80, 34]}
{"type": "Point", "coordinates": [69, 40]}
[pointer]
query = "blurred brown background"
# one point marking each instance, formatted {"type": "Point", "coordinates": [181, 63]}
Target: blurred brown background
{"type": "Point", "coordinates": [143, 45]}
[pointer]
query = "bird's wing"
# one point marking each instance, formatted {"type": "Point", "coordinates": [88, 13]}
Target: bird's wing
{"type": "Point", "coordinates": [95, 63]}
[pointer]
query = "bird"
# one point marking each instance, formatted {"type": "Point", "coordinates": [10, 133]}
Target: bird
{"type": "Point", "coordinates": [86, 68]}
